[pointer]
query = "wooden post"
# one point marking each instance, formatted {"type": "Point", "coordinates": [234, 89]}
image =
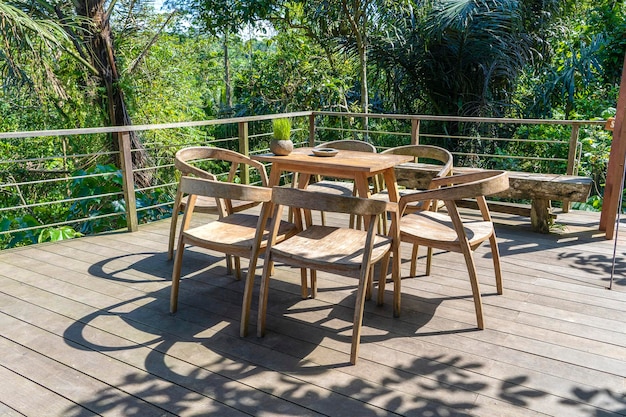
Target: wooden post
{"type": "Point", "coordinates": [572, 163]}
{"type": "Point", "coordinates": [615, 171]}
{"type": "Point", "coordinates": [244, 148]}
{"type": "Point", "coordinates": [312, 130]}
{"type": "Point", "coordinates": [128, 184]}
{"type": "Point", "coordinates": [415, 132]}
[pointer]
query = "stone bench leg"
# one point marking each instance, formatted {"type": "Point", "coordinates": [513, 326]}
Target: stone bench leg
{"type": "Point", "coordinates": [541, 215]}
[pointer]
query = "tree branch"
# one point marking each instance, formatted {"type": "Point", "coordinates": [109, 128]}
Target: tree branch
{"type": "Point", "coordinates": [144, 52]}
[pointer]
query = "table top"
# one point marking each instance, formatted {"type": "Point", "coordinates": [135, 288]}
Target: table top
{"type": "Point", "coordinates": [303, 160]}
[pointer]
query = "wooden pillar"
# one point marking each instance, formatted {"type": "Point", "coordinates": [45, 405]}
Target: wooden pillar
{"type": "Point", "coordinates": [244, 148]}
{"type": "Point", "coordinates": [128, 183]}
{"type": "Point", "coordinates": [615, 172]}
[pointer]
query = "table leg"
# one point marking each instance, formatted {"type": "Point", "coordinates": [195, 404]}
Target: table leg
{"type": "Point", "coordinates": [540, 215]}
{"type": "Point", "coordinates": [274, 178]}
{"type": "Point", "coordinates": [362, 190]}
{"type": "Point", "coordinates": [303, 182]}
{"type": "Point", "coordinates": [391, 184]}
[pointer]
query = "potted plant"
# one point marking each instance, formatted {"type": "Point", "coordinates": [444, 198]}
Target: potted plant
{"type": "Point", "coordinates": [281, 143]}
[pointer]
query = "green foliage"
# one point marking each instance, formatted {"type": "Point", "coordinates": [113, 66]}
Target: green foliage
{"type": "Point", "coordinates": [51, 234]}
{"type": "Point", "coordinates": [499, 58]}
{"type": "Point", "coordinates": [281, 128]}
{"type": "Point", "coordinates": [22, 238]}
{"type": "Point", "coordinates": [108, 180]}
{"type": "Point", "coordinates": [289, 72]}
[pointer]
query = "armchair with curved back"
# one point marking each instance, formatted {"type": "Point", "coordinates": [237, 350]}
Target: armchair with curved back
{"type": "Point", "coordinates": [184, 162]}
{"type": "Point", "coordinates": [241, 234]}
{"type": "Point", "coordinates": [422, 154]}
{"type": "Point", "coordinates": [448, 231]}
{"type": "Point", "coordinates": [339, 250]}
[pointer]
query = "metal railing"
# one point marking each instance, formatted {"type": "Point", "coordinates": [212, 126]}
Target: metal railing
{"type": "Point", "coordinates": [39, 191]}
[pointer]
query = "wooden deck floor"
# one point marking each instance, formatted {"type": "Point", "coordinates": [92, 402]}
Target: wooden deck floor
{"type": "Point", "coordinates": [85, 330]}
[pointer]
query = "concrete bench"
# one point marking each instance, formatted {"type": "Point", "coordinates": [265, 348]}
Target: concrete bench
{"type": "Point", "coordinates": [541, 189]}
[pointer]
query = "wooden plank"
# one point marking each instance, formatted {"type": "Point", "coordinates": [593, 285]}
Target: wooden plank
{"type": "Point", "coordinates": [6, 411]}
{"type": "Point", "coordinates": [233, 372]}
{"type": "Point", "coordinates": [555, 342]}
{"type": "Point", "coordinates": [436, 347]}
{"type": "Point", "coordinates": [52, 383]}
{"type": "Point", "coordinates": [22, 396]}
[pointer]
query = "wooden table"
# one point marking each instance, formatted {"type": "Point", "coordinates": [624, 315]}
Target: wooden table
{"type": "Point", "coordinates": [358, 166]}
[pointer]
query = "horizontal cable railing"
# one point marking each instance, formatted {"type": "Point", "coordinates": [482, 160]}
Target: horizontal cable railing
{"type": "Point", "coordinates": [86, 184]}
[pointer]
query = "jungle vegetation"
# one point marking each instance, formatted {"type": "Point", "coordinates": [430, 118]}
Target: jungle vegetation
{"type": "Point", "coordinates": [87, 63]}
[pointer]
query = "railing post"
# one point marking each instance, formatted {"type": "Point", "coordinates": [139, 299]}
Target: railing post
{"type": "Point", "coordinates": [572, 163]}
{"type": "Point", "coordinates": [311, 130]}
{"type": "Point", "coordinates": [415, 131]}
{"type": "Point", "coordinates": [128, 183]}
{"type": "Point", "coordinates": [244, 148]}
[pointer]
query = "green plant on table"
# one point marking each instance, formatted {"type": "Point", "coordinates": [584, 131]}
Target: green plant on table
{"type": "Point", "coordinates": [282, 128]}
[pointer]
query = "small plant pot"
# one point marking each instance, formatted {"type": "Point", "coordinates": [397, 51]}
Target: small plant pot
{"type": "Point", "coordinates": [281, 146]}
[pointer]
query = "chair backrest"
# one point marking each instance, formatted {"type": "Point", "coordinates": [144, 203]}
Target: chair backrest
{"type": "Point", "coordinates": [311, 200]}
{"type": "Point", "coordinates": [456, 187]}
{"type": "Point", "coordinates": [349, 145]}
{"type": "Point", "coordinates": [222, 191]}
{"type": "Point", "coordinates": [427, 154]}
{"type": "Point", "coordinates": [185, 156]}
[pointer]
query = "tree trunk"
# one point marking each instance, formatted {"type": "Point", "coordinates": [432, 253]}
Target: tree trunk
{"type": "Point", "coordinates": [358, 23]}
{"type": "Point", "coordinates": [101, 54]}
{"type": "Point", "coordinates": [227, 83]}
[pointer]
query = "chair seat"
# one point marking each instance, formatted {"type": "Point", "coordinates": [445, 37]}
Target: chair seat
{"type": "Point", "coordinates": [208, 205]}
{"type": "Point", "coordinates": [384, 196]}
{"type": "Point", "coordinates": [234, 233]}
{"type": "Point", "coordinates": [436, 229]}
{"type": "Point", "coordinates": [344, 188]}
{"type": "Point", "coordinates": [330, 248]}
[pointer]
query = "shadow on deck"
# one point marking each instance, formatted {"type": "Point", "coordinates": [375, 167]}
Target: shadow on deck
{"type": "Point", "coordinates": [86, 330]}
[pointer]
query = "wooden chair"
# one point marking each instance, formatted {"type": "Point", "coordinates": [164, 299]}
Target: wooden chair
{"type": "Point", "coordinates": [337, 187]}
{"type": "Point", "coordinates": [340, 250]}
{"type": "Point", "coordinates": [236, 234]}
{"type": "Point", "coordinates": [184, 160]}
{"type": "Point", "coordinates": [448, 231]}
{"type": "Point", "coordinates": [429, 154]}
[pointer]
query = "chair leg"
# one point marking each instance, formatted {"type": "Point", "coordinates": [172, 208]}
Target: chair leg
{"type": "Point", "coordinates": [495, 254]}
{"type": "Point", "coordinates": [247, 296]}
{"type": "Point", "coordinates": [172, 237]}
{"type": "Point", "coordinates": [178, 263]}
{"type": "Point", "coordinates": [358, 315]}
{"type": "Point", "coordinates": [382, 279]}
{"type": "Point", "coordinates": [384, 223]}
{"type": "Point", "coordinates": [237, 268]}
{"type": "Point", "coordinates": [370, 284]}
{"type": "Point", "coordinates": [414, 253]}
{"type": "Point", "coordinates": [473, 276]}
{"type": "Point", "coordinates": [265, 284]}
{"type": "Point", "coordinates": [429, 260]}
{"type": "Point", "coordinates": [304, 286]}
{"type": "Point", "coordinates": [229, 264]}
{"type": "Point", "coordinates": [313, 283]}
{"type": "Point", "coordinates": [397, 283]}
